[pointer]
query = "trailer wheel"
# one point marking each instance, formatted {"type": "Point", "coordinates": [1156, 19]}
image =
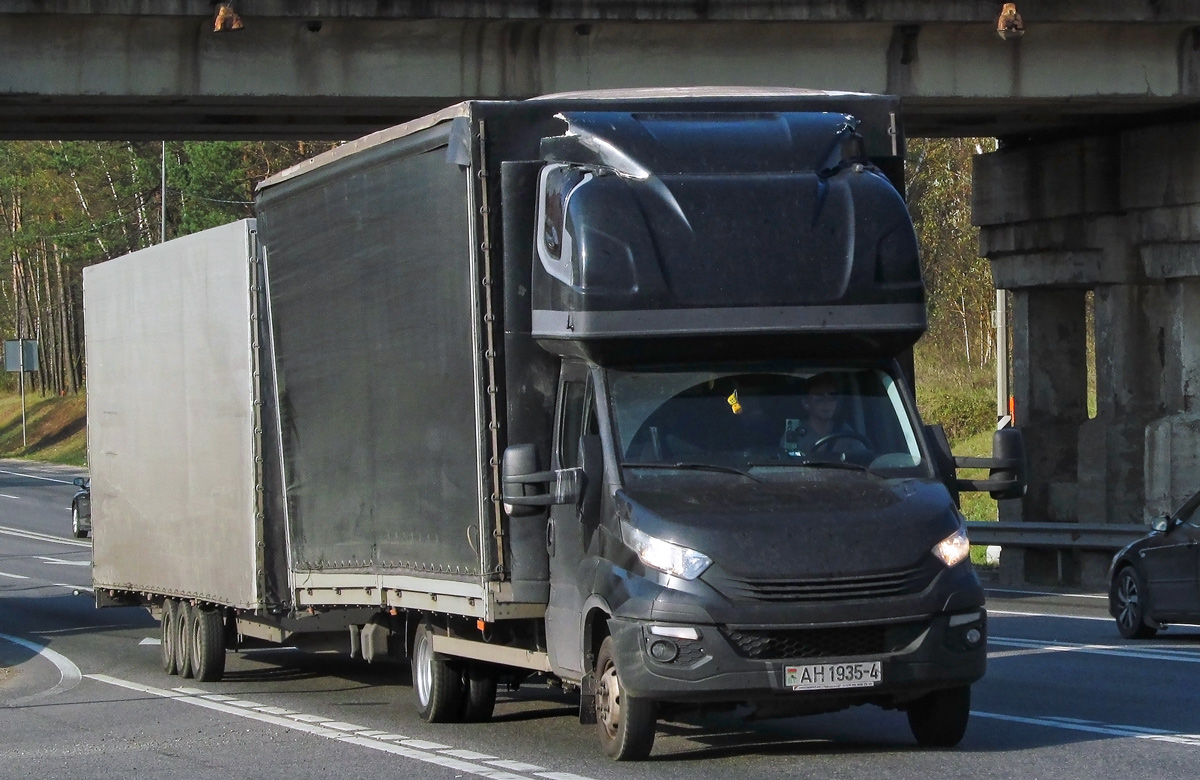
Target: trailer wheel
{"type": "Point", "coordinates": [183, 639]}
{"type": "Point", "coordinates": [939, 719]}
{"type": "Point", "coordinates": [439, 686]}
{"type": "Point", "coordinates": [169, 630]}
{"type": "Point", "coordinates": [626, 723]}
{"type": "Point", "coordinates": [208, 644]}
{"type": "Point", "coordinates": [479, 682]}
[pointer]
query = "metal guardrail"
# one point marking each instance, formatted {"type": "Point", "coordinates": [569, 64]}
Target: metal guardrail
{"type": "Point", "coordinates": [1075, 536]}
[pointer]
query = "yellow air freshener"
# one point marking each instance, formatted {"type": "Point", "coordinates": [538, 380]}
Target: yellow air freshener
{"type": "Point", "coordinates": [734, 404]}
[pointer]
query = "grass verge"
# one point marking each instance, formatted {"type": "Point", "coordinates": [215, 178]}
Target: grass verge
{"type": "Point", "coordinates": [55, 428]}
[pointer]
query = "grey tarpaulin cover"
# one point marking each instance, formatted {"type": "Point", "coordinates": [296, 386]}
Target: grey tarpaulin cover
{"type": "Point", "coordinates": [374, 311]}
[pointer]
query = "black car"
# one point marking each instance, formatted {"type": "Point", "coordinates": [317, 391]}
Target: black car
{"type": "Point", "coordinates": [81, 508]}
{"type": "Point", "coordinates": [1156, 580]}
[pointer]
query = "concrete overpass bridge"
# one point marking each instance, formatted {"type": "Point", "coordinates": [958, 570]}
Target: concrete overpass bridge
{"type": "Point", "coordinates": [1096, 188]}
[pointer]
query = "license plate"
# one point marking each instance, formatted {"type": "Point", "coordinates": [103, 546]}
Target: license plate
{"type": "Point", "coordinates": [814, 677]}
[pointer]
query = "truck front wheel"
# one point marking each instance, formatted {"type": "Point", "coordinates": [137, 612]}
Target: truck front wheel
{"type": "Point", "coordinates": [626, 722]}
{"type": "Point", "coordinates": [939, 719]}
{"type": "Point", "coordinates": [437, 683]}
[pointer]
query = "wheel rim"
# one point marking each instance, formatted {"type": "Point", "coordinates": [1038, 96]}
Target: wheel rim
{"type": "Point", "coordinates": [1128, 601]}
{"type": "Point", "coordinates": [75, 521]}
{"type": "Point", "coordinates": [423, 669]}
{"type": "Point", "coordinates": [608, 700]}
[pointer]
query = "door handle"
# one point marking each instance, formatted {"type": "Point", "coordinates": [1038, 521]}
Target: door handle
{"type": "Point", "coordinates": [550, 537]}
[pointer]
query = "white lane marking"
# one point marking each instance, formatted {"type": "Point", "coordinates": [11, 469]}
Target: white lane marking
{"type": "Point", "coordinates": [1010, 613]}
{"type": "Point", "coordinates": [61, 562]}
{"type": "Point", "coordinates": [1095, 727]}
{"type": "Point", "coordinates": [1118, 651]}
{"type": "Point", "coordinates": [35, 476]}
{"type": "Point", "coordinates": [516, 766]}
{"type": "Point", "coordinates": [6, 495]}
{"type": "Point", "coordinates": [151, 641]}
{"type": "Point", "coordinates": [68, 672]}
{"type": "Point", "coordinates": [1048, 593]}
{"type": "Point", "coordinates": [324, 728]}
{"type": "Point", "coordinates": [34, 535]}
{"type": "Point", "coordinates": [74, 588]}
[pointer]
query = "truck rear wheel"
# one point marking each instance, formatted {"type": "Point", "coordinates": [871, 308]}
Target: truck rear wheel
{"type": "Point", "coordinates": [939, 719]}
{"type": "Point", "coordinates": [480, 692]}
{"type": "Point", "coordinates": [208, 644]}
{"type": "Point", "coordinates": [183, 639]}
{"type": "Point", "coordinates": [626, 723]}
{"type": "Point", "coordinates": [439, 686]}
{"type": "Point", "coordinates": [169, 630]}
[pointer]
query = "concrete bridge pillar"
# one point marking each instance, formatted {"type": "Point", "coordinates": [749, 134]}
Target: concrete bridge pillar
{"type": "Point", "coordinates": [1116, 217]}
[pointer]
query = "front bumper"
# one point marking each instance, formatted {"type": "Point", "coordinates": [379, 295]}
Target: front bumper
{"type": "Point", "coordinates": [734, 664]}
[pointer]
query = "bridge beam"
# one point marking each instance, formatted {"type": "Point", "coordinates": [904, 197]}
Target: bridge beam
{"type": "Point", "coordinates": [133, 74]}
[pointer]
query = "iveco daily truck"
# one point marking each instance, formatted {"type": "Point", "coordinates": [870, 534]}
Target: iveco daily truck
{"type": "Point", "coordinates": [608, 388]}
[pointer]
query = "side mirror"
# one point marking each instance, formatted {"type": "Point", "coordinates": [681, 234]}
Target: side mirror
{"type": "Point", "coordinates": [1008, 470]}
{"type": "Point", "coordinates": [79, 482]}
{"type": "Point", "coordinates": [527, 490]}
{"type": "Point", "coordinates": [1012, 468]}
{"type": "Point", "coordinates": [1161, 524]}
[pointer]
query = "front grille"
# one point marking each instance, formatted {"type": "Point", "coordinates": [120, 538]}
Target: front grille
{"type": "Point", "coordinates": [894, 583]}
{"type": "Point", "coordinates": [822, 642]}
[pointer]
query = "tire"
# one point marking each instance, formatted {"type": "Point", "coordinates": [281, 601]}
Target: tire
{"type": "Point", "coordinates": [626, 724]}
{"type": "Point", "coordinates": [76, 531]}
{"type": "Point", "coordinates": [169, 636]}
{"type": "Point", "coordinates": [939, 719]}
{"type": "Point", "coordinates": [208, 644]}
{"type": "Point", "coordinates": [1129, 598]}
{"type": "Point", "coordinates": [479, 701]}
{"type": "Point", "coordinates": [183, 639]}
{"type": "Point", "coordinates": [438, 684]}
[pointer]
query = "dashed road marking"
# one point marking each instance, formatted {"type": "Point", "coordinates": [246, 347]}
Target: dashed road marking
{"type": "Point", "coordinates": [13, 576]}
{"type": "Point", "coordinates": [35, 536]}
{"type": "Point", "coordinates": [1096, 727]}
{"type": "Point", "coordinates": [61, 562]}
{"type": "Point", "coordinates": [420, 750]}
{"type": "Point", "coordinates": [1032, 646]}
{"type": "Point", "coordinates": [1011, 613]}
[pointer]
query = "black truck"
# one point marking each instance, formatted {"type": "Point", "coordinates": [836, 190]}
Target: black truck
{"type": "Point", "coordinates": [613, 388]}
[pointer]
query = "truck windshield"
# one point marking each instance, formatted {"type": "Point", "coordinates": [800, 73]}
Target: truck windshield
{"type": "Point", "coordinates": [763, 416]}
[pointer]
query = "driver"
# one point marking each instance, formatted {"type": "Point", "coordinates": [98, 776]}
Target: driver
{"type": "Point", "coordinates": [822, 405]}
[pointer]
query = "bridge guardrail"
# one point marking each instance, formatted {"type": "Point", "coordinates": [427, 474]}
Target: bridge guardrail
{"type": "Point", "coordinates": [1075, 536]}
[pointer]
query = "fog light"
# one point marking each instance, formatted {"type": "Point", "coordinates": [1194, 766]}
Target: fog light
{"type": "Point", "coordinates": [973, 636]}
{"type": "Point", "coordinates": [664, 650]}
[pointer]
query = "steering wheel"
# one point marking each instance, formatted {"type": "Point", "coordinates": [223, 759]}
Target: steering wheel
{"type": "Point", "coordinates": [824, 440]}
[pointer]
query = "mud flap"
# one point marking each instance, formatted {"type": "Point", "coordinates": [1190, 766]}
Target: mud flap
{"type": "Point", "coordinates": [587, 700]}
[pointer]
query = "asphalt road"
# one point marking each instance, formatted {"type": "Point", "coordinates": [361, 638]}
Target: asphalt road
{"type": "Point", "coordinates": [82, 695]}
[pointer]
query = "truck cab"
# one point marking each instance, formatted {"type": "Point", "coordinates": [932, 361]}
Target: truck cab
{"type": "Point", "coordinates": [741, 502]}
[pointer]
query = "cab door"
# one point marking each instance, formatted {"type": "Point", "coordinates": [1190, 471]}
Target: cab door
{"type": "Point", "coordinates": [567, 535]}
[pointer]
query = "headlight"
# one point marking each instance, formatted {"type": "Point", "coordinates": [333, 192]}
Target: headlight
{"type": "Point", "coordinates": [953, 548]}
{"type": "Point", "coordinates": [665, 556]}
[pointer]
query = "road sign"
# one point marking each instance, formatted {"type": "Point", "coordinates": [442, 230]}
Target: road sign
{"type": "Point", "coordinates": [21, 355]}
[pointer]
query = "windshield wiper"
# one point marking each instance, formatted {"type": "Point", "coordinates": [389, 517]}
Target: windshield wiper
{"type": "Point", "coordinates": [692, 467]}
{"type": "Point", "coordinates": [816, 464]}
